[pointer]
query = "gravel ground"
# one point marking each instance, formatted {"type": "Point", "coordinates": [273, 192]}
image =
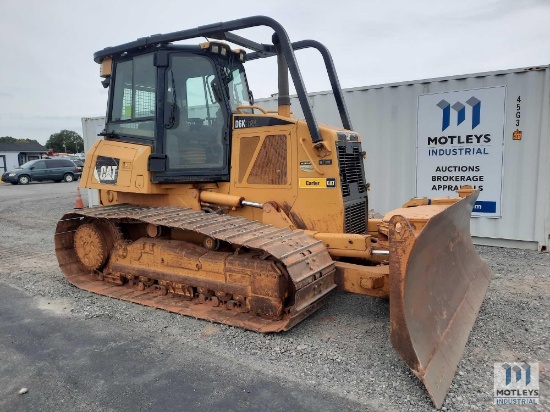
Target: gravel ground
{"type": "Point", "coordinates": [342, 349]}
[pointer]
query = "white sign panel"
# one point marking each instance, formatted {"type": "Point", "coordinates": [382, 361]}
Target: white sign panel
{"type": "Point", "coordinates": [460, 142]}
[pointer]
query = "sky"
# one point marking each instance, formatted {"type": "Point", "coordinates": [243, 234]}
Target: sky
{"type": "Point", "coordinates": [49, 81]}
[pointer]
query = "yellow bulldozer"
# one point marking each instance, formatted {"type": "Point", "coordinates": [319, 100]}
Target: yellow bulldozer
{"type": "Point", "coordinates": [216, 208]}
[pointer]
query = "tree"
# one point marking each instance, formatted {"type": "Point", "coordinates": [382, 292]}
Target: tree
{"type": "Point", "coordinates": [9, 139]}
{"type": "Point", "coordinates": [65, 141]}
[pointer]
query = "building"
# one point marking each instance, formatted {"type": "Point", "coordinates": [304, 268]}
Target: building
{"type": "Point", "coordinates": [13, 155]}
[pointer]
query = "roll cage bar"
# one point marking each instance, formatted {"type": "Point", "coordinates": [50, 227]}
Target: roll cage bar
{"type": "Point", "coordinates": [222, 31]}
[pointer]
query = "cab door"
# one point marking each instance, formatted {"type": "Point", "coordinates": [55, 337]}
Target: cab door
{"type": "Point", "coordinates": [196, 121]}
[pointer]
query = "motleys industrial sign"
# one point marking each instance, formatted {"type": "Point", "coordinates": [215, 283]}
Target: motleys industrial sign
{"type": "Point", "coordinates": [460, 141]}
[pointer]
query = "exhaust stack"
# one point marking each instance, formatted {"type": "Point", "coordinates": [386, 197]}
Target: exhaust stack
{"type": "Point", "coordinates": [282, 76]}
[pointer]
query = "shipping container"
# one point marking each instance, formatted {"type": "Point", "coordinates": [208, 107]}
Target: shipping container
{"type": "Point", "coordinates": [422, 136]}
{"type": "Point", "coordinates": [91, 127]}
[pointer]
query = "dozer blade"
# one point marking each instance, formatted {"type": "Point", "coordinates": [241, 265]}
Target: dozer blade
{"type": "Point", "coordinates": [437, 285]}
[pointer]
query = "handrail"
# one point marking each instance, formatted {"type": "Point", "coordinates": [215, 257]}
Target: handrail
{"type": "Point", "coordinates": [240, 109]}
{"type": "Point", "coordinates": [311, 159]}
{"type": "Point", "coordinates": [331, 71]}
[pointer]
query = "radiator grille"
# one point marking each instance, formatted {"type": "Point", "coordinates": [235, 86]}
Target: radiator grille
{"type": "Point", "coordinates": [354, 191]}
{"type": "Point", "coordinates": [351, 168]}
{"type": "Point", "coordinates": [355, 217]}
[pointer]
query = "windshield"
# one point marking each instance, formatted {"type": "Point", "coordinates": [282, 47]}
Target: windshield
{"type": "Point", "coordinates": [27, 165]}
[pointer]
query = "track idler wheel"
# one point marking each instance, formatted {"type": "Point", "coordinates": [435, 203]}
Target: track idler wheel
{"type": "Point", "coordinates": [91, 246]}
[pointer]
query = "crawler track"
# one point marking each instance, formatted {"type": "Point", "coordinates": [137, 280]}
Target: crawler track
{"type": "Point", "coordinates": [259, 256]}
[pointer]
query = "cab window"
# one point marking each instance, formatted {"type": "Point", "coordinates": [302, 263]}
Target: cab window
{"type": "Point", "coordinates": [237, 86]}
{"type": "Point", "coordinates": [133, 102]}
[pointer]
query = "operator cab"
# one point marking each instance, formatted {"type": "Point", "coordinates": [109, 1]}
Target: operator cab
{"type": "Point", "coordinates": [179, 100]}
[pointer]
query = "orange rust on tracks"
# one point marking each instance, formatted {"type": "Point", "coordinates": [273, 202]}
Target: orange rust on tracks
{"type": "Point", "coordinates": [245, 286]}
